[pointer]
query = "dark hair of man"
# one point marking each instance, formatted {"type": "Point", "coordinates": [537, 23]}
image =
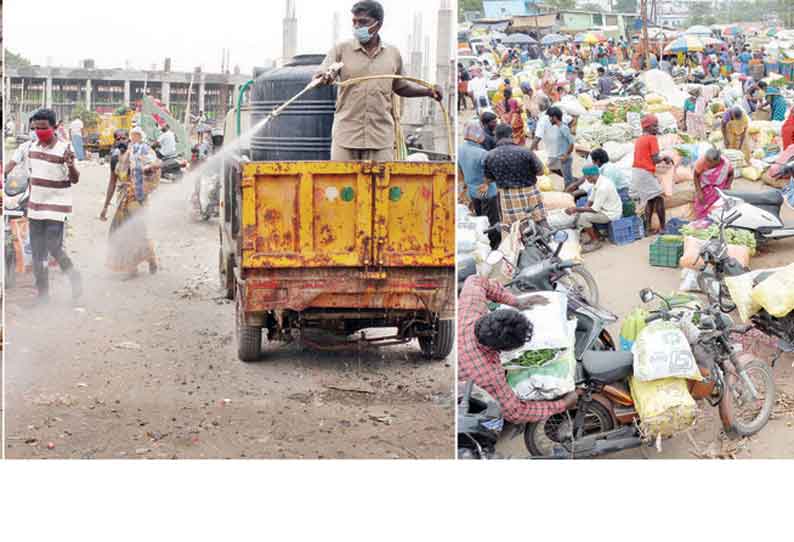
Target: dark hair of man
{"type": "Point", "coordinates": [601, 70]}
{"type": "Point", "coordinates": [504, 329]}
{"type": "Point", "coordinates": [599, 156]}
{"type": "Point", "coordinates": [45, 114]}
{"type": "Point", "coordinates": [487, 117]}
{"type": "Point", "coordinates": [370, 8]}
{"type": "Point", "coordinates": [503, 131]}
{"type": "Point", "coordinates": [554, 112]}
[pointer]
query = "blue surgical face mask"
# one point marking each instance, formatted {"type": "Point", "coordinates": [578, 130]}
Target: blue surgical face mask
{"type": "Point", "coordinates": [362, 33]}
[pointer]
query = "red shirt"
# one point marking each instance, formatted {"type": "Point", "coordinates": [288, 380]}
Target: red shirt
{"type": "Point", "coordinates": [644, 148]}
{"type": "Point", "coordinates": [481, 364]}
{"type": "Point", "coordinates": [787, 131]}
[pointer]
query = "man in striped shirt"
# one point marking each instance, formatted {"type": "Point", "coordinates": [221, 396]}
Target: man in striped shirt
{"type": "Point", "coordinates": [52, 174]}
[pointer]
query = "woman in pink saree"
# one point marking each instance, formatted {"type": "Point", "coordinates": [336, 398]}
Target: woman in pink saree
{"type": "Point", "coordinates": [713, 171]}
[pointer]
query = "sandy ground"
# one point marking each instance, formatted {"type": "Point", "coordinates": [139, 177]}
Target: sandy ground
{"type": "Point", "coordinates": [147, 368]}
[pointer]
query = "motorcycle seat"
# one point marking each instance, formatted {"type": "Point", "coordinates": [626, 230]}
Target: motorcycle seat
{"type": "Point", "coordinates": [768, 198]}
{"type": "Point", "coordinates": [608, 367]}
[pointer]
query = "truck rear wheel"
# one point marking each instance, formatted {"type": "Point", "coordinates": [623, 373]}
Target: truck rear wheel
{"type": "Point", "coordinates": [226, 275]}
{"type": "Point", "coordinates": [249, 338]}
{"type": "Point", "coordinates": [439, 346]}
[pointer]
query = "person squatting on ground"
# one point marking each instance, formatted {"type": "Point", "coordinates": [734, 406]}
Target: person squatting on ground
{"type": "Point", "coordinates": [52, 174]}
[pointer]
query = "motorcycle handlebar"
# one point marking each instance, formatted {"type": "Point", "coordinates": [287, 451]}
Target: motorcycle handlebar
{"type": "Point", "coordinates": [733, 219]}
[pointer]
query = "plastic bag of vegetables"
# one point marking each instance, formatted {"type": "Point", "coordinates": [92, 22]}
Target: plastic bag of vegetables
{"type": "Point", "coordinates": [665, 406]}
{"type": "Point", "coordinates": [545, 375]}
{"type": "Point", "coordinates": [662, 351]}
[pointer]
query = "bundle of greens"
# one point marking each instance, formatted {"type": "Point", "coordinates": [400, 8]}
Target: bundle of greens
{"type": "Point", "coordinates": [536, 358]}
{"type": "Point", "coordinates": [733, 236]}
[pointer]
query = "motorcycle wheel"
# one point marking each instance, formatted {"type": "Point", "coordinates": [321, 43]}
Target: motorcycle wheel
{"type": "Point", "coordinates": [581, 281]}
{"type": "Point", "coordinates": [745, 415]}
{"type": "Point", "coordinates": [541, 438]}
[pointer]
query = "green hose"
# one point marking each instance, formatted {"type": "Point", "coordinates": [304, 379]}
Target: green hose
{"type": "Point", "coordinates": [240, 101]}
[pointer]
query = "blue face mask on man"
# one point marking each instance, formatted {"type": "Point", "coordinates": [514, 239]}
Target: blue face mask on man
{"type": "Point", "coordinates": [362, 34]}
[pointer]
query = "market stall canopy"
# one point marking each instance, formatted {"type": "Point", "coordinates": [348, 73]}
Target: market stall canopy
{"type": "Point", "coordinates": [591, 38]}
{"type": "Point", "coordinates": [772, 32]}
{"type": "Point", "coordinates": [518, 39]}
{"type": "Point", "coordinates": [685, 44]}
{"type": "Point", "coordinates": [711, 41]}
{"type": "Point", "coordinates": [731, 30]}
{"type": "Point", "coordinates": [698, 30]}
{"type": "Point", "coordinates": [499, 36]}
{"type": "Point", "coordinates": [553, 39]}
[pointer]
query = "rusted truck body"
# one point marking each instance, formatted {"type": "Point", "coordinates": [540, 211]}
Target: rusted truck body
{"type": "Point", "coordinates": [337, 248]}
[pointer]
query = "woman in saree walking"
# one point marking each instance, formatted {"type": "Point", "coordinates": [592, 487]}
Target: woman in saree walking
{"type": "Point", "coordinates": [712, 172]}
{"type": "Point", "coordinates": [134, 174]}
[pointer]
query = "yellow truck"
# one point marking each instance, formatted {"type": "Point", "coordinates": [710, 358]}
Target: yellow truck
{"type": "Point", "coordinates": [100, 138]}
{"type": "Point", "coordinates": [339, 247]}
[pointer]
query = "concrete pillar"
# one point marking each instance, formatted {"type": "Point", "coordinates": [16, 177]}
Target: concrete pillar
{"type": "Point", "coordinates": [48, 93]}
{"type": "Point", "coordinates": [127, 92]}
{"type": "Point", "coordinates": [444, 72]}
{"type": "Point", "coordinates": [166, 98]}
{"type": "Point", "coordinates": [201, 94]}
{"type": "Point", "coordinates": [290, 32]}
{"type": "Point", "coordinates": [88, 94]}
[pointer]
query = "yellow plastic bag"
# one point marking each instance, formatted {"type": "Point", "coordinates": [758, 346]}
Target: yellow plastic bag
{"type": "Point", "coordinates": [652, 99]}
{"type": "Point", "coordinates": [776, 294]}
{"type": "Point", "coordinates": [750, 173]}
{"type": "Point", "coordinates": [557, 200]}
{"type": "Point", "coordinates": [545, 184]}
{"type": "Point", "coordinates": [665, 406]}
{"type": "Point", "coordinates": [586, 101]}
{"type": "Point", "coordinates": [658, 108]}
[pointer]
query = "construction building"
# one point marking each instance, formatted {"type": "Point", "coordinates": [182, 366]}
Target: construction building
{"type": "Point", "coordinates": [104, 90]}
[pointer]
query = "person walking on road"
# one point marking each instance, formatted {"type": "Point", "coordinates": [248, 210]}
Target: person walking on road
{"type": "Point", "coordinates": [76, 137]}
{"type": "Point", "coordinates": [132, 170]}
{"type": "Point", "coordinates": [363, 124]}
{"type": "Point", "coordinates": [52, 174]}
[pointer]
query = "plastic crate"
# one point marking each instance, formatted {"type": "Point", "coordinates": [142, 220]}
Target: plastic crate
{"type": "Point", "coordinates": [626, 230]}
{"type": "Point", "coordinates": [624, 194]}
{"type": "Point", "coordinates": [665, 253]}
{"type": "Point", "coordinates": [581, 202]}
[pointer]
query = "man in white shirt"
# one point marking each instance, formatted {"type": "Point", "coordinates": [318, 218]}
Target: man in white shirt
{"type": "Point", "coordinates": [52, 174]}
{"type": "Point", "coordinates": [76, 136]}
{"type": "Point", "coordinates": [604, 206]}
{"type": "Point", "coordinates": [479, 92]}
{"type": "Point", "coordinates": [167, 141]}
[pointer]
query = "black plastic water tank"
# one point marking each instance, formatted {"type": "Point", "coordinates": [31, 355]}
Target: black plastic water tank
{"type": "Point", "coordinates": [303, 130]}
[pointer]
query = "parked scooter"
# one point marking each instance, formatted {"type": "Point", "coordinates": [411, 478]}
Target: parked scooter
{"type": "Point", "coordinates": [15, 202]}
{"type": "Point", "coordinates": [758, 212]}
{"type": "Point", "coordinates": [535, 249]}
{"type": "Point", "coordinates": [480, 422]}
{"type": "Point", "coordinates": [605, 419]}
{"type": "Point", "coordinates": [172, 168]}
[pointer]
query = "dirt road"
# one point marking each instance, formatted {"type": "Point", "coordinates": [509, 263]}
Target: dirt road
{"type": "Point", "coordinates": [147, 368]}
{"type": "Point", "coordinates": [621, 273]}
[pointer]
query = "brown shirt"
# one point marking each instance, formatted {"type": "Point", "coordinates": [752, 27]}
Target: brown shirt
{"type": "Point", "coordinates": [363, 118]}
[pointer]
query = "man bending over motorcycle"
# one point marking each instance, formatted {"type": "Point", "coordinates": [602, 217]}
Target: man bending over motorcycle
{"type": "Point", "coordinates": [482, 334]}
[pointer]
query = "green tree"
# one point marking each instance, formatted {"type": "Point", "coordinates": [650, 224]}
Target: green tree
{"type": "Point", "coordinates": [700, 13]}
{"type": "Point", "coordinates": [90, 118]}
{"type": "Point", "coordinates": [561, 4]}
{"type": "Point", "coordinates": [591, 7]}
{"type": "Point", "coordinates": [626, 6]}
{"type": "Point", "coordinates": [15, 60]}
{"type": "Point", "coordinates": [468, 5]}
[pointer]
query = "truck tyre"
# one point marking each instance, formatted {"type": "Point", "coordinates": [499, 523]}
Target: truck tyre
{"type": "Point", "coordinates": [441, 345]}
{"type": "Point", "coordinates": [249, 338]}
{"type": "Point", "coordinates": [226, 275]}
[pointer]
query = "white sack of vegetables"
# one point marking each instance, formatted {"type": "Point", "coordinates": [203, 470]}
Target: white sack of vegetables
{"type": "Point", "coordinates": [549, 325]}
{"type": "Point", "coordinates": [545, 375]}
{"type": "Point", "coordinates": [662, 351]}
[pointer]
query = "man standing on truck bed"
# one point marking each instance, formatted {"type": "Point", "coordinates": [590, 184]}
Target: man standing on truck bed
{"type": "Point", "coordinates": [363, 124]}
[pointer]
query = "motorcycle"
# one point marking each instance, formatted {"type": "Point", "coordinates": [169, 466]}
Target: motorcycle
{"type": "Point", "coordinates": [758, 212]}
{"type": "Point", "coordinates": [535, 249]}
{"type": "Point", "coordinates": [480, 423]}
{"type": "Point", "coordinates": [711, 282]}
{"type": "Point", "coordinates": [15, 202]}
{"type": "Point", "coordinates": [172, 168]}
{"type": "Point", "coordinates": [605, 419]}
